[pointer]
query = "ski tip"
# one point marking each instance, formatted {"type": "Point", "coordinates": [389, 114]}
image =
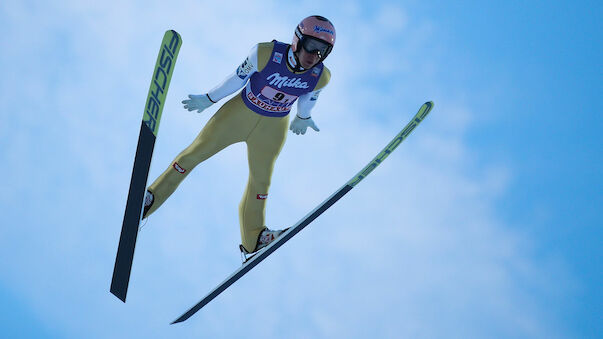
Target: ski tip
{"type": "Point", "coordinates": [176, 321]}
{"type": "Point", "coordinates": [173, 32]}
{"type": "Point", "coordinates": [425, 109]}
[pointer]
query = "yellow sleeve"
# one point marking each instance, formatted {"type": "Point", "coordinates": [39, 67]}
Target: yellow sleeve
{"type": "Point", "coordinates": [264, 52]}
{"type": "Point", "coordinates": [324, 79]}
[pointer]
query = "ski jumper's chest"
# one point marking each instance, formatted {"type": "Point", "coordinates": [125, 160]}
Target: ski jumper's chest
{"type": "Point", "coordinates": [273, 90]}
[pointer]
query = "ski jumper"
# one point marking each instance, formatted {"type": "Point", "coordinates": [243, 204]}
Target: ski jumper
{"type": "Point", "coordinates": [258, 116]}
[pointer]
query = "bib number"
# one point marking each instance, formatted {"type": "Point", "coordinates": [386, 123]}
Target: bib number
{"type": "Point", "coordinates": [277, 97]}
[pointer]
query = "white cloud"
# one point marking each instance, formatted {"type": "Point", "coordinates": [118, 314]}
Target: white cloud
{"type": "Point", "coordinates": [417, 249]}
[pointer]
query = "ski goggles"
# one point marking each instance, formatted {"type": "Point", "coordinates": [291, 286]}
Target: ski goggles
{"type": "Point", "coordinates": [313, 46]}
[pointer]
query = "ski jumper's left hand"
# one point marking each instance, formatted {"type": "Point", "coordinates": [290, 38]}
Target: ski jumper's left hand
{"type": "Point", "coordinates": [300, 125]}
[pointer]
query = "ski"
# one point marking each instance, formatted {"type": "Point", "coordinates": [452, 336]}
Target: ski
{"type": "Point", "coordinates": [162, 74]}
{"type": "Point", "coordinates": [305, 221]}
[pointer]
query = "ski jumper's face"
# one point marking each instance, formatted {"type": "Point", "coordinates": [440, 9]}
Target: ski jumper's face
{"type": "Point", "coordinates": [307, 60]}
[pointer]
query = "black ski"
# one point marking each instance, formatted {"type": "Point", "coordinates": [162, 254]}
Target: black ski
{"type": "Point", "coordinates": [264, 253]}
{"type": "Point", "coordinates": [164, 68]}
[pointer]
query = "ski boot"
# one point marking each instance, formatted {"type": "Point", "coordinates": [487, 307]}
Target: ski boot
{"type": "Point", "coordinates": [265, 238]}
{"type": "Point", "coordinates": [149, 198]}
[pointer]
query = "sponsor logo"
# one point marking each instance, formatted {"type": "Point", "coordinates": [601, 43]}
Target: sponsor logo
{"type": "Point", "coordinates": [392, 145]}
{"type": "Point", "coordinates": [179, 168]}
{"type": "Point", "coordinates": [315, 71]}
{"type": "Point", "coordinates": [266, 106]}
{"type": "Point", "coordinates": [314, 96]}
{"type": "Point", "coordinates": [320, 29]}
{"type": "Point", "coordinates": [284, 81]}
{"type": "Point", "coordinates": [278, 57]}
{"type": "Point", "coordinates": [160, 83]}
{"type": "Point", "coordinates": [244, 70]}
{"type": "Point", "coordinates": [262, 196]}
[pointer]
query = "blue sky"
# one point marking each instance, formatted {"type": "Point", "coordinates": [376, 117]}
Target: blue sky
{"type": "Point", "coordinates": [482, 224]}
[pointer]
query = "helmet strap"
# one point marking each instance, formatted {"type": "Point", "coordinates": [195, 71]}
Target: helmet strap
{"type": "Point", "coordinates": [297, 67]}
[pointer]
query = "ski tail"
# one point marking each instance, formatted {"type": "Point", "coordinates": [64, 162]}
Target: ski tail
{"type": "Point", "coordinates": [160, 82]}
{"type": "Point", "coordinates": [318, 210]}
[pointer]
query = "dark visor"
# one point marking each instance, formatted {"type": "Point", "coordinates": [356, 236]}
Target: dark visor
{"type": "Point", "coordinates": [312, 45]}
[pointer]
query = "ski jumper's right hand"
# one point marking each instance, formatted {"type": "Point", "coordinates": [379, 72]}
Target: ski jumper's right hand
{"type": "Point", "coordinates": [197, 102]}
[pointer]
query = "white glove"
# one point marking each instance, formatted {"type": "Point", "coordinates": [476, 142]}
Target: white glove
{"type": "Point", "coordinates": [197, 102]}
{"type": "Point", "coordinates": [299, 125]}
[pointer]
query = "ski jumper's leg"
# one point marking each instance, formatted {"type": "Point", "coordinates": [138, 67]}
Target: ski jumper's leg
{"type": "Point", "coordinates": [263, 147]}
{"type": "Point", "coordinates": [232, 123]}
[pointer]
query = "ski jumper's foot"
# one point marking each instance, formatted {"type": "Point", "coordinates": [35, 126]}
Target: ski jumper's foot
{"type": "Point", "coordinates": [265, 238]}
{"type": "Point", "coordinates": [149, 198]}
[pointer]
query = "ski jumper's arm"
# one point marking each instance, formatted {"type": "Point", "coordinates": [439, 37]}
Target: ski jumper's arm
{"type": "Point", "coordinates": [306, 102]}
{"type": "Point", "coordinates": [255, 62]}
